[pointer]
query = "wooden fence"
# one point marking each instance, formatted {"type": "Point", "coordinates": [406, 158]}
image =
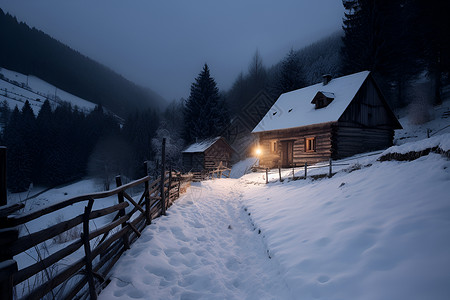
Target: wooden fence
{"type": "Point", "coordinates": [219, 172]}
{"type": "Point", "coordinates": [90, 272]}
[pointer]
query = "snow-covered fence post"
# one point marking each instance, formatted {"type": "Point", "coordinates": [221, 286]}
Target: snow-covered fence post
{"type": "Point", "coordinates": [267, 175]}
{"type": "Point", "coordinates": [126, 242]}
{"type": "Point", "coordinates": [148, 216]}
{"type": "Point", "coordinates": [3, 194]}
{"type": "Point", "coordinates": [330, 173]}
{"type": "Point", "coordinates": [87, 249]}
{"type": "Point", "coordinates": [306, 169]}
{"type": "Point", "coordinates": [163, 176]}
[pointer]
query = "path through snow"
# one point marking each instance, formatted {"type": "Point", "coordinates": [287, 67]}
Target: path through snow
{"type": "Point", "coordinates": [205, 248]}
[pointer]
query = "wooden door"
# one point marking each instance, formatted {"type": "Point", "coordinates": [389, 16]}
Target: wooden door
{"type": "Point", "coordinates": [287, 153]}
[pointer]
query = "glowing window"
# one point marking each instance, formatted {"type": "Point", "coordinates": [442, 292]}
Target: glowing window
{"type": "Point", "coordinates": [310, 144]}
{"type": "Point", "coordinates": [273, 146]}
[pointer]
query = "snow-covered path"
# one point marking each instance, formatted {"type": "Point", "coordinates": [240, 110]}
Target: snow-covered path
{"type": "Point", "coordinates": [205, 248]}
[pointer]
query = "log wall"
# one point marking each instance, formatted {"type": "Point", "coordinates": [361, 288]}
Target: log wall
{"type": "Point", "coordinates": [218, 152]}
{"type": "Point", "coordinates": [323, 138]}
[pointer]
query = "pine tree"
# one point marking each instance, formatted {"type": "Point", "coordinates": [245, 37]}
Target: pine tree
{"type": "Point", "coordinates": [290, 76]}
{"type": "Point", "coordinates": [434, 26]}
{"type": "Point", "coordinates": [380, 37]}
{"type": "Point", "coordinates": [205, 112]}
{"type": "Point", "coordinates": [5, 112]}
{"type": "Point", "coordinates": [45, 130]}
{"type": "Point", "coordinates": [19, 159]}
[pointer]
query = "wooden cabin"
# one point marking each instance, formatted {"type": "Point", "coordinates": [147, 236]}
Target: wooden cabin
{"type": "Point", "coordinates": [207, 155]}
{"type": "Point", "coordinates": [334, 119]}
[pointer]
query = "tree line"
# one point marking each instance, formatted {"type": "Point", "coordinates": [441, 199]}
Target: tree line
{"type": "Point", "coordinates": [61, 145]}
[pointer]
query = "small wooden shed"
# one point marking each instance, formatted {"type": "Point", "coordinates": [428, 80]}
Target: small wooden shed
{"type": "Point", "coordinates": [207, 155]}
{"type": "Point", "coordinates": [333, 119]}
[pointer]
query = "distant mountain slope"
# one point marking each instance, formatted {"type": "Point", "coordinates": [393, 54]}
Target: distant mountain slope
{"type": "Point", "coordinates": [17, 88]}
{"type": "Point", "coordinates": [32, 52]}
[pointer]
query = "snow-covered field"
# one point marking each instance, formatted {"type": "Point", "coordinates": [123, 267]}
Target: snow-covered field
{"type": "Point", "coordinates": [377, 230]}
{"type": "Point", "coordinates": [35, 90]}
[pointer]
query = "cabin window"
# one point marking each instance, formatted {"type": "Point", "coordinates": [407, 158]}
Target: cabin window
{"type": "Point", "coordinates": [310, 144]}
{"type": "Point", "coordinates": [273, 146]}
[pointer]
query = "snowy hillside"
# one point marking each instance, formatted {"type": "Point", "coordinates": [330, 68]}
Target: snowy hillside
{"type": "Point", "coordinates": [375, 230]}
{"type": "Point", "coordinates": [17, 88]}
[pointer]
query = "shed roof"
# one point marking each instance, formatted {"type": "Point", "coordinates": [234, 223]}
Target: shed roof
{"type": "Point", "coordinates": [294, 109]}
{"type": "Point", "coordinates": [201, 146]}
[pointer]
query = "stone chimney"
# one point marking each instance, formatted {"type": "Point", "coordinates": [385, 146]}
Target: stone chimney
{"type": "Point", "coordinates": [326, 78]}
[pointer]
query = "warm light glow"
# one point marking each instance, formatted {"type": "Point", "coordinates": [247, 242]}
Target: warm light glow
{"type": "Point", "coordinates": [258, 151]}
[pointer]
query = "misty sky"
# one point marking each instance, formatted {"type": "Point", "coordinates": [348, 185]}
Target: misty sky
{"type": "Point", "coordinates": [164, 44]}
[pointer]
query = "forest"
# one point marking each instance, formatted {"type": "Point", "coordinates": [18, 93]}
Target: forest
{"type": "Point", "coordinates": [404, 43]}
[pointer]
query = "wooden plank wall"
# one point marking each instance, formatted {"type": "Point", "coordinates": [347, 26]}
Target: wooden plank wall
{"type": "Point", "coordinates": [366, 125]}
{"type": "Point", "coordinates": [348, 141]}
{"type": "Point", "coordinates": [322, 133]}
{"type": "Point", "coordinates": [193, 161]}
{"type": "Point", "coordinates": [367, 110]}
{"type": "Point", "coordinates": [218, 152]}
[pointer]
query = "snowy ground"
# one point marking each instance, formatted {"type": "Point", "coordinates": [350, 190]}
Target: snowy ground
{"type": "Point", "coordinates": [205, 248]}
{"type": "Point", "coordinates": [378, 232]}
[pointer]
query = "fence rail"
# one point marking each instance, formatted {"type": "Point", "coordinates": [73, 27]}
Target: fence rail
{"type": "Point", "coordinates": [101, 254]}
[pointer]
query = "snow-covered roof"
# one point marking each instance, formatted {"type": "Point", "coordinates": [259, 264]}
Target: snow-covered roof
{"type": "Point", "coordinates": [294, 109]}
{"type": "Point", "coordinates": [327, 94]}
{"type": "Point", "coordinates": [201, 146]}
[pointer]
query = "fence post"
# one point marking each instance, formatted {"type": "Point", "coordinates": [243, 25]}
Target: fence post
{"type": "Point", "coordinates": [170, 185]}
{"type": "Point", "coordinates": [279, 171]}
{"type": "Point", "coordinates": [148, 216]}
{"type": "Point", "coordinates": [179, 184]}
{"type": "Point", "coordinates": [163, 176]}
{"type": "Point", "coordinates": [293, 172]}
{"type": "Point", "coordinates": [330, 173]}
{"type": "Point", "coordinates": [3, 193]}
{"type": "Point", "coordinates": [267, 175]}
{"type": "Point", "coordinates": [8, 266]}
{"type": "Point", "coordinates": [126, 242]}
{"type": "Point", "coordinates": [306, 169]}
{"type": "Point", "coordinates": [87, 249]}
{"type": "Point", "coordinates": [7, 270]}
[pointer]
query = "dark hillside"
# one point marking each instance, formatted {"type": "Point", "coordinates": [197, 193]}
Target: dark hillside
{"type": "Point", "coordinates": [31, 51]}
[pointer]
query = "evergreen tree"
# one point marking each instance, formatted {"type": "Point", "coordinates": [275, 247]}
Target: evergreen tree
{"type": "Point", "coordinates": [19, 159]}
{"type": "Point", "coordinates": [45, 130]}
{"type": "Point", "coordinates": [138, 130]}
{"type": "Point", "coordinates": [205, 112]}
{"type": "Point", "coordinates": [5, 112]}
{"type": "Point", "coordinates": [379, 36]}
{"type": "Point", "coordinates": [434, 28]}
{"type": "Point", "coordinates": [290, 76]}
